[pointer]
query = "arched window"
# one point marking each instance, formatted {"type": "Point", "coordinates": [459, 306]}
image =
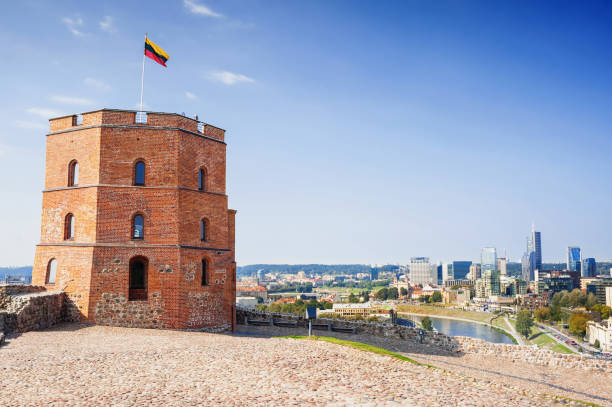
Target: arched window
{"type": "Point", "coordinates": [202, 179]}
{"type": "Point", "coordinates": [69, 227]}
{"type": "Point", "coordinates": [139, 173]}
{"type": "Point", "coordinates": [203, 230]}
{"type": "Point", "coordinates": [204, 272]}
{"type": "Point", "coordinates": [138, 278]}
{"type": "Point", "coordinates": [73, 173]}
{"type": "Point", "coordinates": [51, 271]}
{"type": "Point", "coordinates": [138, 227]}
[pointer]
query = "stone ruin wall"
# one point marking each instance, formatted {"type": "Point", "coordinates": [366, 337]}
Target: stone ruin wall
{"type": "Point", "coordinates": [458, 344]}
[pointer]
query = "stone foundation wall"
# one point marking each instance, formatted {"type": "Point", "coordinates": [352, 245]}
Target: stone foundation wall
{"type": "Point", "coordinates": [383, 329]}
{"type": "Point", "coordinates": [26, 308]}
{"type": "Point", "coordinates": [115, 310]}
{"type": "Point", "coordinates": [543, 357]}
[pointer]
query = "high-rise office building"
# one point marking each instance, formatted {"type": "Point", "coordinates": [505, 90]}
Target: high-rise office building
{"type": "Point", "coordinates": [475, 272]}
{"type": "Point", "coordinates": [447, 272]}
{"type": "Point", "coordinates": [589, 267]}
{"type": "Point", "coordinates": [528, 266]}
{"type": "Point", "coordinates": [502, 266]}
{"type": "Point", "coordinates": [491, 281]}
{"type": "Point", "coordinates": [421, 272]}
{"type": "Point", "coordinates": [534, 245]}
{"type": "Point", "coordinates": [488, 259]}
{"type": "Point", "coordinates": [574, 258]}
{"type": "Point", "coordinates": [461, 269]}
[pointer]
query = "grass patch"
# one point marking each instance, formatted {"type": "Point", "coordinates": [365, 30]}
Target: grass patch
{"type": "Point", "coordinates": [561, 349]}
{"type": "Point", "coordinates": [360, 346]}
{"type": "Point", "coordinates": [446, 312]}
{"type": "Point", "coordinates": [504, 332]}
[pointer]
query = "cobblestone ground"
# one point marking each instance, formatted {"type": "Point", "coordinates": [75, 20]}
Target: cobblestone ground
{"type": "Point", "coordinates": [103, 366]}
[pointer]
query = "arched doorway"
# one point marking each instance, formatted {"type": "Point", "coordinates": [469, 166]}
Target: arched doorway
{"type": "Point", "coordinates": [138, 278]}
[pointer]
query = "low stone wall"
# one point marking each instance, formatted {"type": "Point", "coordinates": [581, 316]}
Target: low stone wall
{"type": "Point", "coordinates": [382, 329]}
{"type": "Point", "coordinates": [26, 308]}
{"type": "Point", "coordinates": [543, 357]}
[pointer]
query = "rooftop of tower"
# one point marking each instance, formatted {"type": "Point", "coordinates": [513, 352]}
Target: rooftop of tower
{"type": "Point", "coordinates": [134, 118]}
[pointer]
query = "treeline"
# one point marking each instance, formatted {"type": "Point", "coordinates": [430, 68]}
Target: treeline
{"type": "Point", "coordinates": [297, 308]}
{"type": "Point", "coordinates": [292, 287]}
{"type": "Point", "coordinates": [310, 268]}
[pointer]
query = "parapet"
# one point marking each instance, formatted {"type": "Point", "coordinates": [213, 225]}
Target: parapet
{"type": "Point", "coordinates": [125, 118]}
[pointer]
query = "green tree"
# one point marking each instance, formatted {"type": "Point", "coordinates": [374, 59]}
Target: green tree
{"type": "Point", "coordinates": [366, 296]}
{"type": "Point", "coordinates": [436, 297]}
{"type": "Point", "coordinates": [403, 292]}
{"type": "Point", "coordinates": [352, 298]}
{"type": "Point", "coordinates": [524, 322]}
{"type": "Point", "coordinates": [426, 324]}
{"type": "Point", "coordinates": [604, 310]}
{"type": "Point", "coordinates": [542, 314]}
{"type": "Point", "coordinates": [576, 298]}
{"type": "Point", "coordinates": [424, 298]}
{"type": "Point", "coordinates": [382, 294]}
{"type": "Point", "coordinates": [392, 293]}
{"type": "Point", "coordinates": [577, 323]}
{"type": "Point", "coordinates": [590, 301]}
{"type": "Point", "coordinates": [596, 344]}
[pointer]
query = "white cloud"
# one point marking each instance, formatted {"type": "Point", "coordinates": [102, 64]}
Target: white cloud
{"type": "Point", "coordinates": [74, 25]}
{"type": "Point", "coordinates": [200, 9]}
{"type": "Point", "coordinates": [23, 124]}
{"type": "Point", "coordinates": [230, 78]}
{"type": "Point", "coordinates": [96, 83]}
{"type": "Point", "coordinates": [70, 100]}
{"type": "Point", "coordinates": [107, 24]}
{"type": "Point", "coordinates": [43, 112]}
{"type": "Point", "coordinates": [190, 95]}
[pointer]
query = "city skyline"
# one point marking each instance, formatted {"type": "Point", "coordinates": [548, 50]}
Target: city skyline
{"type": "Point", "coordinates": [355, 134]}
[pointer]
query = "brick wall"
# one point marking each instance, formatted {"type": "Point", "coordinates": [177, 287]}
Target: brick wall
{"type": "Point", "coordinates": [94, 266]}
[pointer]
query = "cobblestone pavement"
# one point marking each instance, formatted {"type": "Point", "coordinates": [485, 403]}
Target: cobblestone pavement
{"type": "Point", "coordinates": [101, 366]}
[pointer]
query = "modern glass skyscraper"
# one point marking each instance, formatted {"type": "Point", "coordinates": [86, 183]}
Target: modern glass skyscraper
{"type": "Point", "coordinates": [488, 259]}
{"type": "Point", "coordinates": [528, 266]}
{"type": "Point", "coordinates": [574, 258]}
{"type": "Point", "coordinates": [534, 244]}
{"type": "Point", "coordinates": [589, 267]}
{"type": "Point", "coordinates": [461, 269]}
{"type": "Point", "coordinates": [421, 272]}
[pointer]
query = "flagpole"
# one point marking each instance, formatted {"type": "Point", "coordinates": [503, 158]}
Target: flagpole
{"type": "Point", "coordinates": [142, 77]}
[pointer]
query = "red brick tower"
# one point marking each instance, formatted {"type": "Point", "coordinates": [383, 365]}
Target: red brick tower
{"type": "Point", "coordinates": [135, 222]}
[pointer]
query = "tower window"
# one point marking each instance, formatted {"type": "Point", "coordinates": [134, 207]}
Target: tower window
{"type": "Point", "coordinates": [141, 117]}
{"type": "Point", "coordinates": [51, 271]}
{"type": "Point", "coordinates": [202, 179]}
{"type": "Point", "coordinates": [73, 173]}
{"type": "Point", "coordinates": [139, 173]}
{"type": "Point", "coordinates": [203, 230]}
{"type": "Point", "coordinates": [201, 127]}
{"type": "Point", "coordinates": [69, 227]}
{"type": "Point", "coordinates": [138, 227]}
{"type": "Point", "coordinates": [138, 279]}
{"type": "Point", "coordinates": [204, 272]}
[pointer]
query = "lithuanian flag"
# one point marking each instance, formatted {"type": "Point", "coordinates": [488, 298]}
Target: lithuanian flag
{"type": "Point", "coordinates": [155, 52]}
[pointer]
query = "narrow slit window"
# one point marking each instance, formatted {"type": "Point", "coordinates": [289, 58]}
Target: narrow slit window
{"type": "Point", "coordinates": [204, 272]}
{"type": "Point", "coordinates": [139, 173]}
{"type": "Point", "coordinates": [51, 271]}
{"type": "Point", "coordinates": [138, 227]}
{"type": "Point", "coordinates": [203, 231]}
{"type": "Point", "coordinates": [73, 173]}
{"type": "Point", "coordinates": [201, 179]}
{"type": "Point", "coordinates": [69, 227]}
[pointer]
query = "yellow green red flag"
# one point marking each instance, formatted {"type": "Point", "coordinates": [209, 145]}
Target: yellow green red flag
{"type": "Point", "coordinates": [155, 52]}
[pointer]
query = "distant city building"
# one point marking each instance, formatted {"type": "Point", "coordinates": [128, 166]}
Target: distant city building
{"type": "Point", "coordinates": [556, 281]}
{"type": "Point", "coordinates": [598, 288]}
{"type": "Point", "coordinates": [574, 258]}
{"type": "Point", "coordinates": [461, 269]}
{"type": "Point", "coordinates": [462, 282]}
{"type": "Point", "coordinates": [475, 272]}
{"type": "Point", "coordinates": [528, 266]}
{"type": "Point", "coordinates": [422, 272]}
{"type": "Point", "coordinates": [601, 332]}
{"type": "Point", "coordinates": [374, 274]}
{"type": "Point", "coordinates": [439, 273]}
{"type": "Point", "coordinates": [447, 272]}
{"type": "Point", "coordinates": [502, 266]}
{"type": "Point", "coordinates": [608, 291]}
{"type": "Point", "coordinates": [459, 296]}
{"type": "Point", "coordinates": [488, 260]}
{"type": "Point", "coordinates": [491, 281]}
{"type": "Point", "coordinates": [589, 267]}
{"type": "Point", "coordinates": [534, 246]}
{"type": "Point", "coordinates": [260, 276]}
{"type": "Point", "coordinates": [246, 302]}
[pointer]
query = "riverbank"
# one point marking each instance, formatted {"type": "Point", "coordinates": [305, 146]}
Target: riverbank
{"type": "Point", "coordinates": [504, 331]}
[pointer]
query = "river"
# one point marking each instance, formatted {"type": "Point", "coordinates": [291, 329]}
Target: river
{"type": "Point", "coordinates": [452, 327]}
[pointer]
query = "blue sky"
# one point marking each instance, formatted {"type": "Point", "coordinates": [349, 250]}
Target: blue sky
{"type": "Point", "coordinates": [358, 132]}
